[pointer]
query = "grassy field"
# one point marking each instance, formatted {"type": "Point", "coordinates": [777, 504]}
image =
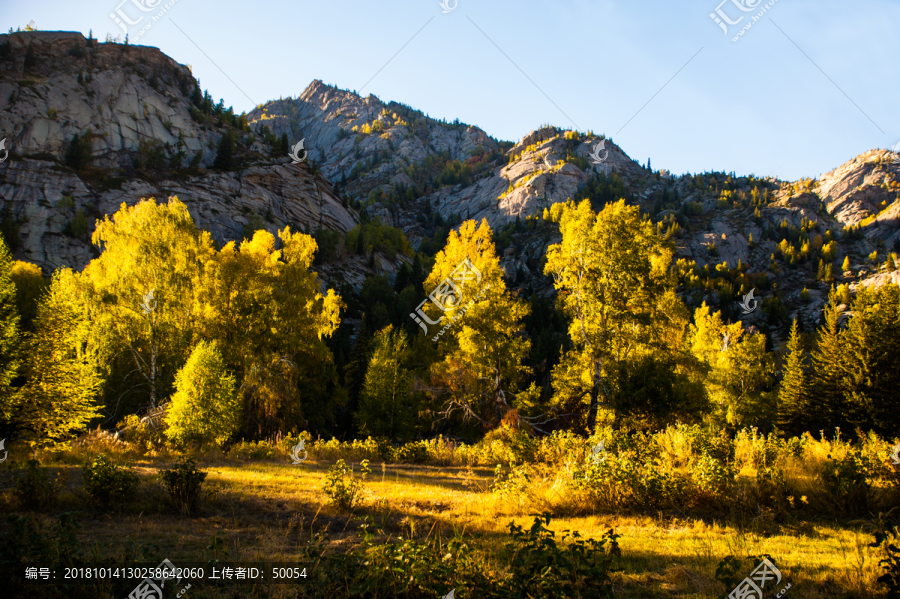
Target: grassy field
{"type": "Point", "coordinates": [269, 510]}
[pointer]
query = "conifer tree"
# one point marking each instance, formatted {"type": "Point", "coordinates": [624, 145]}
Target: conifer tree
{"type": "Point", "coordinates": [793, 395]}
{"type": "Point", "coordinates": [355, 371]}
{"type": "Point", "coordinates": [225, 153]}
{"type": "Point", "coordinates": [385, 407]}
{"type": "Point", "coordinates": [845, 266]}
{"type": "Point", "coordinates": [826, 390]}
{"type": "Point", "coordinates": [30, 58]}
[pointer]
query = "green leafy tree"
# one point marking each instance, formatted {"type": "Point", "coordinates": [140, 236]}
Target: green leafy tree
{"type": "Point", "coordinates": [386, 406]}
{"type": "Point", "coordinates": [9, 332]}
{"type": "Point", "coordinates": [793, 395]}
{"type": "Point", "coordinates": [205, 407]}
{"type": "Point", "coordinates": [739, 370]}
{"type": "Point", "coordinates": [63, 366]}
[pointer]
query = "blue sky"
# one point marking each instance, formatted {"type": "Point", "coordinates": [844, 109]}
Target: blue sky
{"type": "Point", "coordinates": [810, 85]}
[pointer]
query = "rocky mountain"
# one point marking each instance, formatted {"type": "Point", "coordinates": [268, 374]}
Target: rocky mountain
{"type": "Point", "coordinates": [144, 138]}
{"type": "Point", "coordinates": [152, 133]}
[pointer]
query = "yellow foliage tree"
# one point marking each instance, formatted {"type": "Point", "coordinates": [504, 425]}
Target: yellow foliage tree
{"type": "Point", "coordinates": [205, 407]}
{"type": "Point", "coordinates": [142, 287]}
{"type": "Point", "coordinates": [739, 371]}
{"type": "Point", "coordinates": [264, 307]}
{"type": "Point", "coordinates": [480, 338]}
{"type": "Point", "coordinates": [63, 366]}
{"type": "Point", "coordinates": [612, 274]}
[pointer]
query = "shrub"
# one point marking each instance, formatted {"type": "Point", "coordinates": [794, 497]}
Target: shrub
{"type": "Point", "coordinates": [108, 483]}
{"type": "Point", "coordinates": [205, 407]}
{"type": "Point", "coordinates": [542, 567]}
{"type": "Point", "coordinates": [345, 491]}
{"type": "Point", "coordinates": [413, 453]}
{"type": "Point", "coordinates": [141, 434]}
{"type": "Point", "coordinates": [34, 487]}
{"type": "Point", "coordinates": [844, 484]}
{"type": "Point", "coordinates": [183, 485]}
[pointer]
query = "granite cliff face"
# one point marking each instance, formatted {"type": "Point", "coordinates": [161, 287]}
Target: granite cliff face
{"type": "Point", "coordinates": [129, 102]}
{"type": "Point", "coordinates": [139, 107]}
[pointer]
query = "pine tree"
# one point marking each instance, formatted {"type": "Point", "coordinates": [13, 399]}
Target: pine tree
{"type": "Point", "coordinates": [889, 263]}
{"type": "Point", "coordinates": [846, 264]}
{"type": "Point", "coordinates": [793, 395]}
{"type": "Point", "coordinates": [826, 390]}
{"type": "Point", "coordinates": [355, 371]}
{"type": "Point", "coordinates": [225, 153]}
{"type": "Point", "coordinates": [385, 407]}
{"type": "Point", "coordinates": [30, 58]}
{"type": "Point", "coordinates": [9, 332]}
{"type": "Point", "coordinates": [285, 148]}
{"type": "Point", "coordinates": [78, 155]}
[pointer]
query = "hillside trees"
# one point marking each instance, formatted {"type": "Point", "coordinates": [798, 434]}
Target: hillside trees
{"type": "Point", "coordinates": [63, 367]}
{"type": "Point", "coordinates": [483, 352]}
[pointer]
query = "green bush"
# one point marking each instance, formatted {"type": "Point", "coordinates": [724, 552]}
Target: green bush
{"type": "Point", "coordinates": [845, 484]}
{"type": "Point", "coordinates": [108, 483]}
{"type": "Point", "coordinates": [183, 484]}
{"type": "Point", "coordinates": [34, 487]}
{"type": "Point", "coordinates": [345, 491]}
{"type": "Point", "coordinates": [541, 567]}
{"type": "Point", "coordinates": [413, 453]}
